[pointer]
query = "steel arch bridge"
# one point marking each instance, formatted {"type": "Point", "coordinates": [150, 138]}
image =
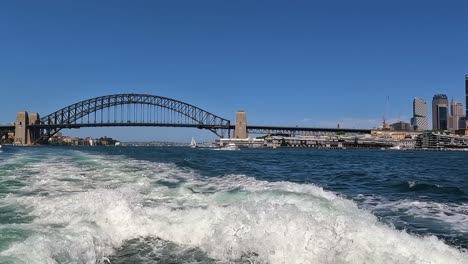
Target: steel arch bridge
{"type": "Point", "coordinates": [129, 110]}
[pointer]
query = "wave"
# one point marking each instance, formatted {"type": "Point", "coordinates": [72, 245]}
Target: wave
{"type": "Point", "coordinates": [412, 186]}
{"type": "Point", "coordinates": [454, 215]}
{"type": "Point", "coordinates": [113, 200]}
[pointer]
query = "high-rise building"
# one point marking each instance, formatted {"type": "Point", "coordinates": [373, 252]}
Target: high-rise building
{"type": "Point", "coordinates": [456, 114]}
{"type": "Point", "coordinates": [456, 108]}
{"type": "Point", "coordinates": [420, 120]}
{"type": "Point", "coordinates": [440, 113]}
{"type": "Point", "coordinates": [466, 93]}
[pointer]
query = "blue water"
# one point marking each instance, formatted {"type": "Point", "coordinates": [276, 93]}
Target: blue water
{"type": "Point", "coordinates": [183, 205]}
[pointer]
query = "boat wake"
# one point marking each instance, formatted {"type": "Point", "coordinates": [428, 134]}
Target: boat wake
{"type": "Point", "coordinates": [90, 208]}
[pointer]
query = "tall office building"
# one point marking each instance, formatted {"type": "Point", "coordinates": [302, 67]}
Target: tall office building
{"type": "Point", "coordinates": [466, 93]}
{"type": "Point", "coordinates": [420, 120]}
{"type": "Point", "coordinates": [463, 121]}
{"type": "Point", "coordinates": [456, 108]}
{"type": "Point", "coordinates": [440, 113]}
{"type": "Point", "coordinates": [456, 115]}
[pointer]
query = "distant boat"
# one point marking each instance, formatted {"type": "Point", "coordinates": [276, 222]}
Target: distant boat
{"type": "Point", "coordinates": [193, 144]}
{"type": "Point", "coordinates": [230, 146]}
{"type": "Point", "coordinates": [397, 147]}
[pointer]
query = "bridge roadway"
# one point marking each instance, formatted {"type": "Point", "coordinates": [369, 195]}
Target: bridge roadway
{"type": "Point", "coordinates": [120, 124]}
{"type": "Point", "coordinates": [7, 128]}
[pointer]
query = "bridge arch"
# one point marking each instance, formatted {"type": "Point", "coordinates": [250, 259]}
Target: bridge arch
{"type": "Point", "coordinates": [130, 110]}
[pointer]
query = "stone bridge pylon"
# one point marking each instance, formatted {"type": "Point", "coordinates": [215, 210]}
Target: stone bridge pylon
{"type": "Point", "coordinates": [24, 134]}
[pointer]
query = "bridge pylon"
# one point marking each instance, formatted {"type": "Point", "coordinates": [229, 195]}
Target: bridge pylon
{"type": "Point", "coordinates": [21, 124]}
{"type": "Point", "coordinates": [33, 133]}
{"type": "Point", "coordinates": [240, 130]}
{"type": "Point", "coordinates": [25, 135]}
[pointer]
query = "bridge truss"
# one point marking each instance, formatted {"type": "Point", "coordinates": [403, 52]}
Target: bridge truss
{"type": "Point", "coordinates": [130, 110]}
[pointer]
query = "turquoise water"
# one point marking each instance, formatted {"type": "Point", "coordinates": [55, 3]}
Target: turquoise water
{"type": "Point", "coordinates": [183, 205]}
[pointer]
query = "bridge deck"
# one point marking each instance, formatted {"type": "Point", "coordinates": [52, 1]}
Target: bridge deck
{"type": "Point", "coordinates": [46, 126]}
{"type": "Point", "coordinates": [250, 128]}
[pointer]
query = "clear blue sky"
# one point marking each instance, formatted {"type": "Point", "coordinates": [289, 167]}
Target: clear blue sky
{"type": "Point", "coordinates": [305, 63]}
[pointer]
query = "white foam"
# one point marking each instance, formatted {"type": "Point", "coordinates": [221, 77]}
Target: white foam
{"type": "Point", "coordinates": [455, 215]}
{"type": "Point", "coordinates": [228, 217]}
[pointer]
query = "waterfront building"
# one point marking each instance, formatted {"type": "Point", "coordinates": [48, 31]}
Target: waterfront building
{"type": "Point", "coordinates": [393, 134]}
{"type": "Point", "coordinates": [440, 113]}
{"type": "Point", "coordinates": [241, 142]}
{"type": "Point", "coordinates": [436, 140]}
{"type": "Point", "coordinates": [420, 120]}
{"type": "Point", "coordinates": [328, 142]}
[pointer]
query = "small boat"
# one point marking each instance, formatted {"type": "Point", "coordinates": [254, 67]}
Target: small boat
{"type": "Point", "coordinates": [193, 144]}
{"type": "Point", "coordinates": [231, 146]}
{"type": "Point", "coordinates": [397, 147]}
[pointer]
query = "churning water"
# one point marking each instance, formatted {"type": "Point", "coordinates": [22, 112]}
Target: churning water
{"type": "Point", "coordinates": [182, 205]}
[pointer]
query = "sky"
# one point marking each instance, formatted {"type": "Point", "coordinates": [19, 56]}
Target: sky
{"type": "Point", "coordinates": [290, 63]}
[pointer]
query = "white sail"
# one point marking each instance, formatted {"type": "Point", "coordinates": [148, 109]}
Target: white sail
{"type": "Point", "coordinates": [193, 143]}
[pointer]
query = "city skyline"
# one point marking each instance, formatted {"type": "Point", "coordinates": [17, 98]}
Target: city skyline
{"type": "Point", "coordinates": [303, 64]}
{"type": "Point", "coordinates": [453, 113]}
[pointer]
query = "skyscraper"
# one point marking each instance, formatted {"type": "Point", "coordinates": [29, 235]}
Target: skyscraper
{"type": "Point", "coordinates": [456, 114]}
{"type": "Point", "coordinates": [466, 93]}
{"type": "Point", "coordinates": [440, 113]}
{"type": "Point", "coordinates": [456, 108]}
{"type": "Point", "coordinates": [420, 120]}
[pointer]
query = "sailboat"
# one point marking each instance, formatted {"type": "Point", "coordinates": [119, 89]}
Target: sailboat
{"type": "Point", "coordinates": [193, 144]}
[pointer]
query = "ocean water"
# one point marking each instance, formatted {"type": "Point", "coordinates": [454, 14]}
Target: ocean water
{"type": "Point", "coordinates": [183, 205]}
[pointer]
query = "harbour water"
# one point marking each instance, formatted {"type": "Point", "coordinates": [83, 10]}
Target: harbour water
{"type": "Point", "coordinates": [189, 205]}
